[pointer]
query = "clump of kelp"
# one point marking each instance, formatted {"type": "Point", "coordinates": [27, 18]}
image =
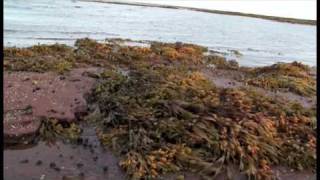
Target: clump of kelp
{"type": "Point", "coordinates": [179, 52]}
{"type": "Point", "coordinates": [168, 118]}
{"type": "Point", "coordinates": [62, 58]}
{"type": "Point", "coordinates": [39, 58]}
{"type": "Point", "coordinates": [220, 62]}
{"type": "Point", "coordinates": [51, 129]}
{"type": "Point", "coordinates": [293, 77]}
{"type": "Point", "coordinates": [157, 110]}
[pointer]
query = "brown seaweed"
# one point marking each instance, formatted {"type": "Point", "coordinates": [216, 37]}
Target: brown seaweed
{"type": "Point", "coordinates": [154, 108]}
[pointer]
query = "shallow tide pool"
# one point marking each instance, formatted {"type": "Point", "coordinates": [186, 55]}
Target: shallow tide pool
{"type": "Point", "coordinates": [260, 42]}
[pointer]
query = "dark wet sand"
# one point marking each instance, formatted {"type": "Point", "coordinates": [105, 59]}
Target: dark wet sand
{"type": "Point", "coordinates": [66, 157]}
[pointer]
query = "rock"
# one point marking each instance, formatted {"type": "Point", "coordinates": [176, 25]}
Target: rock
{"type": "Point", "coordinates": [52, 165]}
{"type": "Point", "coordinates": [52, 100]}
{"type": "Point", "coordinates": [180, 177]}
{"type": "Point", "coordinates": [79, 165]}
{"type": "Point", "coordinates": [105, 169]}
{"type": "Point", "coordinates": [212, 66]}
{"type": "Point", "coordinates": [24, 161]}
{"type": "Point", "coordinates": [18, 127]}
{"type": "Point", "coordinates": [39, 162]}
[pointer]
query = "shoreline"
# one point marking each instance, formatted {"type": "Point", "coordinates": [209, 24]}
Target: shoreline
{"type": "Point", "coordinates": [265, 17]}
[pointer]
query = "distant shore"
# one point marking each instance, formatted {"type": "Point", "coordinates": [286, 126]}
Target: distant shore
{"type": "Point", "coordinates": [272, 18]}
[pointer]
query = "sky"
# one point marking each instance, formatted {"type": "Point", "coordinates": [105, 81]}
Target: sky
{"type": "Point", "coordinates": [302, 9]}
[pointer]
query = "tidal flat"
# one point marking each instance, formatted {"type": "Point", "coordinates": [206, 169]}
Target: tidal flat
{"type": "Point", "coordinates": [122, 110]}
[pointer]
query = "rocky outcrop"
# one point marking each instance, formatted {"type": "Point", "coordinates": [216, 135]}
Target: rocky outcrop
{"type": "Point", "coordinates": [31, 97]}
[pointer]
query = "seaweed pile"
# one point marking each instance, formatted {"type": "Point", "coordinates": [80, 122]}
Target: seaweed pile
{"type": "Point", "coordinates": [61, 58]}
{"type": "Point", "coordinates": [156, 109]}
{"type": "Point", "coordinates": [51, 129]}
{"type": "Point", "coordinates": [163, 120]}
{"type": "Point", "coordinates": [39, 58]}
{"type": "Point", "coordinates": [293, 77]}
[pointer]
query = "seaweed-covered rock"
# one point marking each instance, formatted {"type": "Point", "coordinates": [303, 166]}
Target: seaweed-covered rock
{"type": "Point", "coordinates": [294, 77]}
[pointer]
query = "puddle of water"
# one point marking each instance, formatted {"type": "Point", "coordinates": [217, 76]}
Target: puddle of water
{"type": "Point", "coordinates": [261, 42]}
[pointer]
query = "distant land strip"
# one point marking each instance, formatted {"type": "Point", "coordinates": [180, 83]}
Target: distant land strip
{"type": "Point", "coordinates": [273, 18]}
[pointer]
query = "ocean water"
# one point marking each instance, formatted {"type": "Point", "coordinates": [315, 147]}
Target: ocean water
{"type": "Point", "coordinates": [261, 42]}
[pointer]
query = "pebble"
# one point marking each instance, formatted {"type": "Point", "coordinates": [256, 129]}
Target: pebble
{"type": "Point", "coordinates": [34, 82]}
{"type": "Point", "coordinates": [26, 79]}
{"type": "Point", "coordinates": [92, 151]}
{"type": "Point", "coordinates": [36, 89]}
{"type": "Point", "coordinates": [180, 177]}
{"type": "Point", "coordinates": [95, 158]}
{"type": "Point", "coordinates": [79, 141]}
{"type": "Point", "coordinates": [57, 169]}
{"type": "Point", "coordinates": [42, 177]}
{"type": "Point", "coordinates": [105, 168]}
{"type": "Point", "coordinates": [39, 162]}
{"type": "Point", "coordinates": [81, 174]}
{"type": "Point", "coordinates": [70, 178]}
{"type": "Point", "coordinates": [79, 165]}
{"type": "Point", "coordinates": [52, 165]}
{"type": "Point", "coordinates": [24, 161]}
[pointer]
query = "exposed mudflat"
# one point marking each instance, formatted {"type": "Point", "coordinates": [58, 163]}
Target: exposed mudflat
{"type": "Point", "coordinates": [60, 160]}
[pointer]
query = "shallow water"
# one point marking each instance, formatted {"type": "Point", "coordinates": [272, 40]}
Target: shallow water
{"type": "Point", "coordinates": [261, 42]}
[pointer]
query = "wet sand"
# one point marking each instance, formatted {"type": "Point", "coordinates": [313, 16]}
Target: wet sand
{"type": "Point", "coordinates": [87, 161]}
